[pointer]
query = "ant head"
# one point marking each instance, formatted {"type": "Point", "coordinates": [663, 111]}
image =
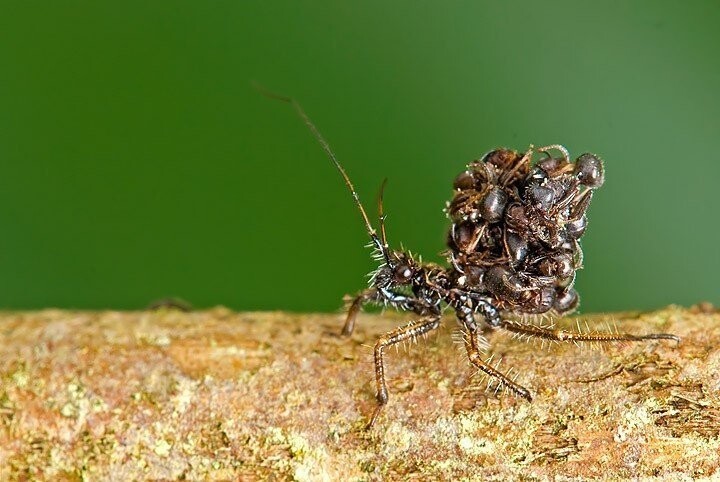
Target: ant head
{"type": "Point", "coordinates": [589, 171]}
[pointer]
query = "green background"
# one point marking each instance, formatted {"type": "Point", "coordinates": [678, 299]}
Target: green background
{"type": "Point", "coordinates": [136, 160]}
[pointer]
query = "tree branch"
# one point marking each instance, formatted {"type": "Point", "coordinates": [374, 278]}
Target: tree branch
{"type": "Point", "coordinates": [223, 395]}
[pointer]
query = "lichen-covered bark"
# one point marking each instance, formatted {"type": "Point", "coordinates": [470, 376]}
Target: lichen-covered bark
{"type": "Point", "coordinates": [223, 395]}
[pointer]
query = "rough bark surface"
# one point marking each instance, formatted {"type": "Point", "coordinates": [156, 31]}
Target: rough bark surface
{"type": "Point", "coordinates": [272, 396]}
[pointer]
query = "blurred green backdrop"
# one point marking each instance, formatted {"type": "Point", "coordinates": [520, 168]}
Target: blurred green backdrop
{"type": "Point", "coordinates": [137, 162]}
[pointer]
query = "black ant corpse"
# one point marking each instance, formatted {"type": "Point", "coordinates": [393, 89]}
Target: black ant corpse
{"type": "Point", "coordinates": [513, 249]}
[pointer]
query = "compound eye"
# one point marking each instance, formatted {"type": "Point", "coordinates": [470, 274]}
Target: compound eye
{"type": "Point", "coordinates": [589, 171]}
{"type": "Point", "coordinates": [403, 273]}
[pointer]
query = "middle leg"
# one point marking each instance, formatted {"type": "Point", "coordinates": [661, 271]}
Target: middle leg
{"type": "Point", "coordinates": [472, 345]}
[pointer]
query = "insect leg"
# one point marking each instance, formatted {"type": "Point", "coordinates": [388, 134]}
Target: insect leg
{"type": "Point", "coordinates": [375, 295]}
{"type": "Point", "coordinates": [472, 346]}
{"type": "Point", "coordinates": [365, 296]}
{"type": "Point", "coordinates": [397, 335]}
{"type": "Point", "coordinates": [564, 335]}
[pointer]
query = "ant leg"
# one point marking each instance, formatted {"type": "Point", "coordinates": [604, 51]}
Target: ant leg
{"type": "Point", "coordinates": [397, 335]}
{"type": "Point", "coordinates": [524, 160]}
{"type": "Point", "coordinates": [475, 356]}
{"type": "Point", "coordinates": [363, 297]}
{"type": "Point", "coordinates": [557, 147]}
{"type": "Point", "coordinates": [563, 335]}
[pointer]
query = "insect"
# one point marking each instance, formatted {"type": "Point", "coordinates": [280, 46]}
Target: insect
{"type": "Point", "coordinates": [513, 249]}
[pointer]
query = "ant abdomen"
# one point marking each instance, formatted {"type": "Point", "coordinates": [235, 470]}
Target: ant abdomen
{"type": "Point", "coordinates": [493, 205]}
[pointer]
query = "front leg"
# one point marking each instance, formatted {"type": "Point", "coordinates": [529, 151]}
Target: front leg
{"type": "Point", "coordinates": [365, 296]}
{"type": "Point", "coordinates": [376, 295]}
{"type": "Point", "coordinates": [411, 331]}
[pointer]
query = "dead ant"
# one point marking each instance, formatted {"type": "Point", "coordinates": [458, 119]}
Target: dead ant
{"type": "Point", "coordinates": [513, 248]}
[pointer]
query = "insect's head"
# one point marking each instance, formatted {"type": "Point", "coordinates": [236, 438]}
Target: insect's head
{"type": "Point", "coordinates": [400, 269]}
{"type": "Point", "coordinates": [404, 267]}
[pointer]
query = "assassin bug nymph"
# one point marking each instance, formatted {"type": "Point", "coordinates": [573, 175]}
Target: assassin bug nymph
{"type": "Point", "coordinates": [513, 250]}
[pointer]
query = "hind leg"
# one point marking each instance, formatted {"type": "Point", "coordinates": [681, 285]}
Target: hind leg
{"type": "Point", "coordinates": [529, 329]}
{"type": "Point", "coordinates": [472, 346]}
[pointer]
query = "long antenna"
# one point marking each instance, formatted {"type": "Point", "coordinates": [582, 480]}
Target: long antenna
{"type": "Point", "coordinates": [380, 245]}
{"type": "Point", "coordinates": [381, 213]}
